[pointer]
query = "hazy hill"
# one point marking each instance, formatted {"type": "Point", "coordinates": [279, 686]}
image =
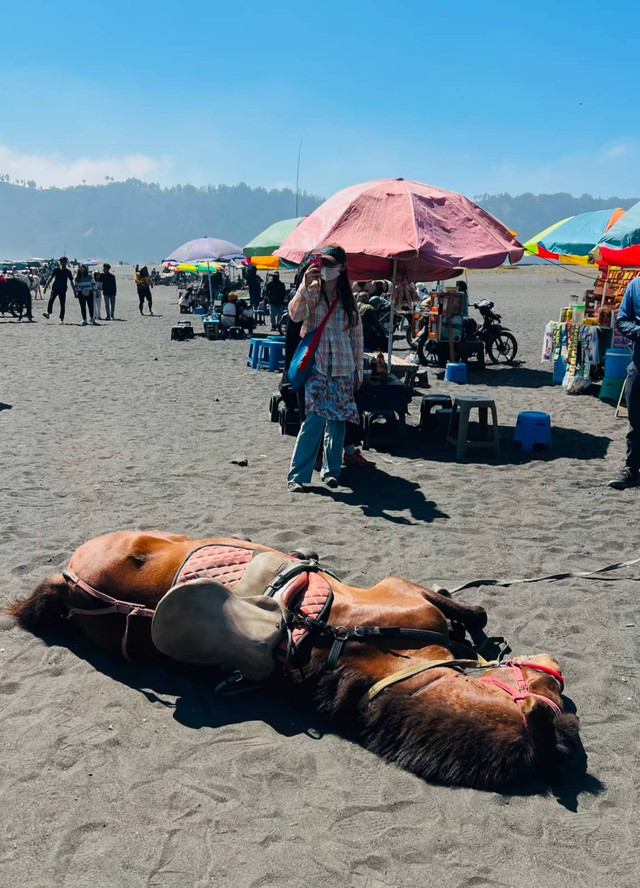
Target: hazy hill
{"type": "Point", "coordinates": [137, 221]}
{"type": "Point", "coordinates": [530, 213]}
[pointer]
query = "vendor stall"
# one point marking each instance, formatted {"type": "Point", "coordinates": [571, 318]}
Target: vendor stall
{"type": "Point", "coordinates": [585, 333]}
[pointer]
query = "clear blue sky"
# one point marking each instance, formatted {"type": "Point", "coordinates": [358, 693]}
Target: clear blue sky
{"type": "Point", "coordinates": [473, 96]}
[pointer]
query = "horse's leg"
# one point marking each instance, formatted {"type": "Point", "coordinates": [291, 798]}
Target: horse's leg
{"type": "Point", "coordinates": [470, 615]}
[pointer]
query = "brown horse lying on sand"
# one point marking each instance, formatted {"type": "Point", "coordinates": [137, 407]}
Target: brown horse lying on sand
{"type": "Point", "coordinates": [382, 663]}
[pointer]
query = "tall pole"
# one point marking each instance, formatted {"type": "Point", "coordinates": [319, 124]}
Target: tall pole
{"type": "Point", "coordinates": [298, 176]}
{"type": "Point", "coordinates": [392, 312]}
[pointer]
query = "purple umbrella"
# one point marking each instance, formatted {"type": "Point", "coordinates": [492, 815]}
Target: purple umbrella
{"type": "Point", "coordinates": [206, 249]}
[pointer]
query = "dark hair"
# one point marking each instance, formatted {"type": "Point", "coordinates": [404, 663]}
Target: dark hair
{"type": "Point", "coordinates": [144, 271]}
{"type": "Point", "coordinates": [63, 259]}
{"type": "Point", "coordinates": [343, 287]}
{"type": "Point", "coordinates": [79, 271]}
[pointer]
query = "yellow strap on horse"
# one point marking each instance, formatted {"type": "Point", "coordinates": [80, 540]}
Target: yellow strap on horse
{"type": "Point", "coordinates": [416, 669]}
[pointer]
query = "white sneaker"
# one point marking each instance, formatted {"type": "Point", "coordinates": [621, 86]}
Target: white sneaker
{"type": "Point", "coordinates": [61, 321]}
{"type": "Point", "coordinates": [93, 321]}
{"type": "Point", "coordinates": [83, 324]}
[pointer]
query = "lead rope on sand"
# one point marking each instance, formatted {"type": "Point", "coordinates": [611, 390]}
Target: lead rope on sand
{"type": "Point", "coordinates": [585, 575]}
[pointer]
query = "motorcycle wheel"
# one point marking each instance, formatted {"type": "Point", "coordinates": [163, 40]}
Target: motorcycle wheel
{"type": "Point", "coordinates": [503, 348]}
{"type": "Point", "coordinates": [412, 334]}
{"type": "Point", "coordinates": [427, 352]}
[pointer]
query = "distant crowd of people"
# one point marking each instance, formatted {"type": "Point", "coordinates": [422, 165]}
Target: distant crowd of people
{"type": "Point", "coordinates": [89, 289]}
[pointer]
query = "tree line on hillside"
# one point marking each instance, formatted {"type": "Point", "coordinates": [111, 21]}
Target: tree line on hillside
{"type": "Point", "coordinates": [135, 221]}
{"type": "Point", "coordinates": [530, 213]}
{"type": "Point", "coordinates": [139, 221]}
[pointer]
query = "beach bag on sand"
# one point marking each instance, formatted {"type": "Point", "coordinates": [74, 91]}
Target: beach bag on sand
{"type": "Point", "coordinates": [304, 356]}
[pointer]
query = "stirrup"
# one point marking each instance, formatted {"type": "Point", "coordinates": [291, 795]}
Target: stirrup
{"type": "Point", "coordinates": [226, 687]}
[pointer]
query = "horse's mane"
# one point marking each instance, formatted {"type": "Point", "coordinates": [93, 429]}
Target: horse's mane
{"type": "Point", "coordinates": [437, 740]}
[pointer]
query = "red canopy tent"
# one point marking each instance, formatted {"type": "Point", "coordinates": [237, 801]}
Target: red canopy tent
{"type": "Point", "coordinates": [388, 226]}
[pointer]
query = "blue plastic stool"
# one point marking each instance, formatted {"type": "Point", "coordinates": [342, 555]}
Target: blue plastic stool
{"type": "Point", "coordinates": [254, 353]}
{"type": "Point", "coordinates": [559, 370]}
{"type": "Point", "coordinates": [198, 310]}
{"type": "Point", "coordinates": [270, 355]}
{"type": "Point", "coordinates": [456, 372]}
{"type": "Point", "coordinates": [533, 429]}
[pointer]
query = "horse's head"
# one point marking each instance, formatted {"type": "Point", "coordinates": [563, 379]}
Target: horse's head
{"type": "Point", "coordinates": [495, 730]}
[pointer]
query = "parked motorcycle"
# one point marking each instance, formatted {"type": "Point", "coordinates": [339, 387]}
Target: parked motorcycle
{"type": "Point", "coordinates": [499, 342]}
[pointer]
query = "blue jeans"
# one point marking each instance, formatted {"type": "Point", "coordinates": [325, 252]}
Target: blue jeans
{"type": "Point", "coordinates": [632, 393]}
{"type": "Point", "coordinates": [276, 314]}
{"type": "Point", "coordinates": [307, 446]}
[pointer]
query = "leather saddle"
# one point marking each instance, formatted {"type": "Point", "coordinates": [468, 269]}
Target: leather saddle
{"type": "Point", "coordinates": [224, 608]}
{"type": "Point", "coordinates": [201, 621]}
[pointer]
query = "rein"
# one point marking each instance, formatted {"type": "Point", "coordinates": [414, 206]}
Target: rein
{"type": "Point", "coordinates": [342, 634]}
{"type": "Point", "coordinates": [518, 694]}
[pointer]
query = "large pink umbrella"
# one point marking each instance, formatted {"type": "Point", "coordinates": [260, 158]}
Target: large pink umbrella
{"type": "Point", "coordinates": [395, 225]}
{"type": "Point", "coordinates": [427, 230]}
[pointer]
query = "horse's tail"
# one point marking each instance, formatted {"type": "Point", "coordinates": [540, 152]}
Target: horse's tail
{"type": "Point", "coordinates": [43, 609]}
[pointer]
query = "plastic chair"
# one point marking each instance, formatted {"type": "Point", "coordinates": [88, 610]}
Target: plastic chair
{"type": "Point", "coordinates": [270, 355]}
{"type": "Point", "coordinates": [254, 353]}
{"type": "Point", "coordinates": [459, 425]}
{"type": "Point", "coordinates": [368, 420]}
{"type": "Point", "coordinates": [456, 372]}
{"type": "Point", "coordinates": [533, 429]}
{"type": "Point", "coordinates": [427, 418]}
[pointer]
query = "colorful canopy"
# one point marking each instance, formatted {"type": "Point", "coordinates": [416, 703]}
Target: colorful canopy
{"type": "Point", "coordinates": [428, 231]}
{"type": "Point", "coordinates": [270, 239]}
{"type": "Point", "coordinates": [621, 244]}
{"type": "Point", "coordinates": [204, 249]}
{"type": "Point", "coordinates": [571, 240]}
{"type": "Point", "coordinates": [264, 263]}
{"type": "Point", "coordinates": [199, 267]}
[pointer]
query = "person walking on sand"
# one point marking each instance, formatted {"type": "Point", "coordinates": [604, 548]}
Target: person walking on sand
{"type": "Point", "coordinates": [628, 323]}
{"type": "Point", "coordinates": [97, 296]}
{"type": "Point", "coordinates": [85, 288]}
{"type": "Point", "coordinates": [143, 285]}
{"type": "Point", "coordinates": [109, 290]}
{"type": "Point", "coordinates": [337, 372]}
{"type": "Point", "coordinates": [60, 277]}
{"type": "Point", "coordinates": [275, 294]}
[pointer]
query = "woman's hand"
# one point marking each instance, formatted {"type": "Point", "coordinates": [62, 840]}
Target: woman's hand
{"type": "Point", "coordinates": [312, 278]}
{"type": "Point", "coordinates": [357, 380]}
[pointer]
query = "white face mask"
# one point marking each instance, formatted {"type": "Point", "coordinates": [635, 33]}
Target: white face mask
{"type": "Point", "coordinates": [330, 274]}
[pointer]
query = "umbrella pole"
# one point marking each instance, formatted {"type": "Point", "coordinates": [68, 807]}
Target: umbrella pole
{"type": "Point", "coordinates": [392, 313]}
{"type": "Point", "coordinates": [210, 290]}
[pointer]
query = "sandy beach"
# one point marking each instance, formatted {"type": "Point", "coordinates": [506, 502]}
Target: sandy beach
{"type": "Point", "coordinates": [116, 775]}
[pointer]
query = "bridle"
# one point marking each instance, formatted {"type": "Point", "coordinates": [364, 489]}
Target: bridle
{"type": "Point", "coordinates": [519, 694]}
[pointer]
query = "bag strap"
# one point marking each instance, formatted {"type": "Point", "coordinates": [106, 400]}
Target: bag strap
{"type": "Point", "coordinates": [313, 345]}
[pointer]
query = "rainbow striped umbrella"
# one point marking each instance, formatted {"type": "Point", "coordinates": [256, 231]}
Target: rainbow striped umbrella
{"type": "Point", "coordinates": [620, 246]}
{"type": "Point", "coordinates": [571, 240]}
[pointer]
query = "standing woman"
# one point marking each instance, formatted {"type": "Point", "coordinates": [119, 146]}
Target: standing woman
{"type": "Point", "coordinates": [143, 284]}
{"type": "Point", "coordinates": [337, 372]}
{"type": "Point", "coordinates": [109, 290]}
{"type": "Point", "coordinates": [84, 291]}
